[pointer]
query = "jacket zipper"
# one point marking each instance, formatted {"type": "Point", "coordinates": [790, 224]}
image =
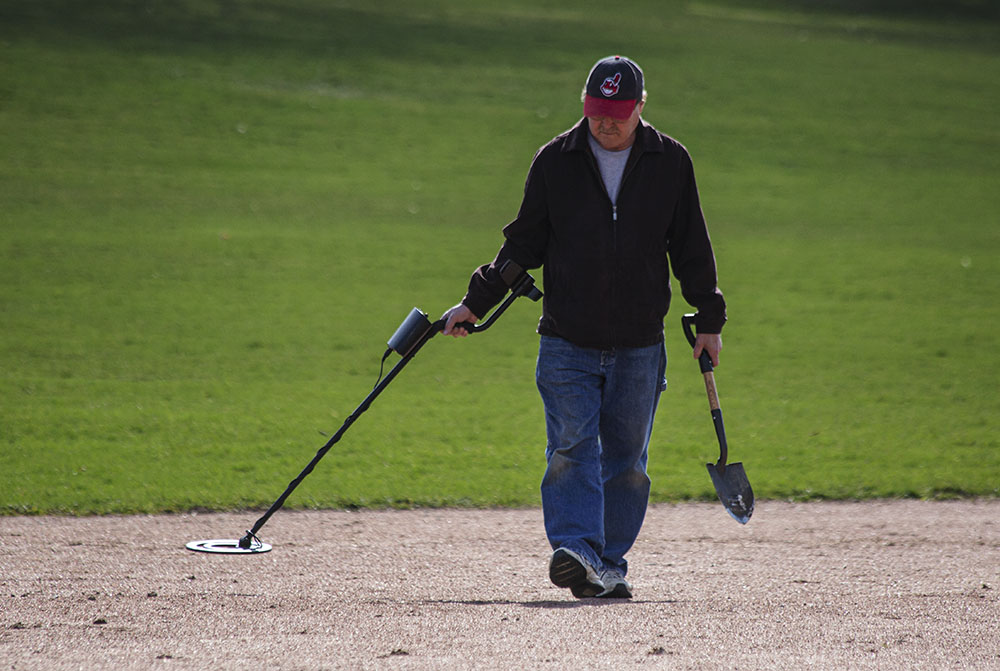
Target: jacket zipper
{"type": "Point", "coordinates": [614, 219]}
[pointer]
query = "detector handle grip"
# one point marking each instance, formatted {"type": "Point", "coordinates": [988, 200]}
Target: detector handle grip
{"type": "Point", "coordinates": [520, 283]}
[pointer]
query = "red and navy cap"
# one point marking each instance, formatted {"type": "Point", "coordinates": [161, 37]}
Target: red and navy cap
{"type": "Point", "coordinates": [614, 86]}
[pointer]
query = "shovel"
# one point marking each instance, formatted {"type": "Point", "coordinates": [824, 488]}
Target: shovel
{"type": "Point", "coordinates": [730, 480]}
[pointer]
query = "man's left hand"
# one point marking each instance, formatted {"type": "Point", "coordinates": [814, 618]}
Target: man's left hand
{"type": "Point", "coordinates": [708, 342]}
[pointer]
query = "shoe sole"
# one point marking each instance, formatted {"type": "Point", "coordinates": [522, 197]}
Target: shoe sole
{"type": "Point", "coordinates": [619, 591]}
{"type": "Point", "coordinates": [566, 570]}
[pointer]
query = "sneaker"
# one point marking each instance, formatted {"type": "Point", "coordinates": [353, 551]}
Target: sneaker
{"type": "Point", "coordinates": [568, 569]}
{"type": "Point", "coordinates": [615, 585]}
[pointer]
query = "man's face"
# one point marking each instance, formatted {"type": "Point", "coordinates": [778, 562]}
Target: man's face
{"type": "Point", "coordinates": [615, 134]}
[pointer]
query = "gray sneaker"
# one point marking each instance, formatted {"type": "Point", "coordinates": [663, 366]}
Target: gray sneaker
{"type": "Point", "coordinates": [568, 569]}
{"type": "Point", "coordinates": [615, 585]}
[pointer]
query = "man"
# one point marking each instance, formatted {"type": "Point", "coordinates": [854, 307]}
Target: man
{"type": "Point", "coordinates": [606, 204]}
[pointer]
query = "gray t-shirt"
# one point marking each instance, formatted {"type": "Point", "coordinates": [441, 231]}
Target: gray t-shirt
{"type": "Point", "coordinates": [612, 166]}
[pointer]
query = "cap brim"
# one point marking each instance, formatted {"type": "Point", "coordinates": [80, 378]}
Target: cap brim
{"type": "Point", "coordinates": [616, 109]}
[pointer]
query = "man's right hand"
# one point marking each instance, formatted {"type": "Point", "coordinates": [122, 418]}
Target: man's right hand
{"type": "Point", "coordinates": [457, 314]}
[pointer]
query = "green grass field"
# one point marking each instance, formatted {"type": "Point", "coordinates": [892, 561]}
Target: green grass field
{"type": "Point", "coordinates": [215, 213]}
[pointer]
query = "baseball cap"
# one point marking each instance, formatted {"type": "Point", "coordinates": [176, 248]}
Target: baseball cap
{"type": "Point", "coordinates": [613, 88]}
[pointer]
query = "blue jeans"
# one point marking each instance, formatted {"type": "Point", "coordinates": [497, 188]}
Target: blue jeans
{"type": "Point", "coordinates": [599, 409]}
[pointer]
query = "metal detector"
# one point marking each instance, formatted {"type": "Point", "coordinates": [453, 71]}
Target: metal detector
{"type": "Point", "coordinates": [730, 480]}
{"type": "Point", "coordinates": [411, 335]}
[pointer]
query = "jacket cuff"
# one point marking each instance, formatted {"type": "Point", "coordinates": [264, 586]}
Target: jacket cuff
{"type": "Point", "coordinates": [705, 323]}
{"type": "Point", "coordinates": [478, 307]}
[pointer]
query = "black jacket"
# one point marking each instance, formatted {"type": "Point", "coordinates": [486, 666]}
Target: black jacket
{"type": "Point", "coordinates": [606, 274]}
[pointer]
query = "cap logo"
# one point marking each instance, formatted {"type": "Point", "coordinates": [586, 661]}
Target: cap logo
{"type": "Point", "coordinates": [610, 85]}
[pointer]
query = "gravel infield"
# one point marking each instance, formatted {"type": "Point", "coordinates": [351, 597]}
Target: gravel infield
{"type": "Point", "coordinates": [856, 585]}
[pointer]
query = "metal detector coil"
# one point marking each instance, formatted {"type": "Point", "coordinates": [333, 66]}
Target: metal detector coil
{"type": "Point", "coordinates": [228, 546]}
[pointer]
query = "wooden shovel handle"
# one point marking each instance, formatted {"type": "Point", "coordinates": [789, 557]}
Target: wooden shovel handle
{"type": "Point", "coordinates": [713, 393]}
{"type": "Point", "coordinates": [705, 361]}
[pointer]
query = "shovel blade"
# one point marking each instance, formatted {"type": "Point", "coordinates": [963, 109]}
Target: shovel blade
{"type": "Point", "coordinates": [734, 490]}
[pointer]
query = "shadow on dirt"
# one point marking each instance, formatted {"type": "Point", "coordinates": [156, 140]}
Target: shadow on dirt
{"type": "Point", "coordinates": [548, 604]}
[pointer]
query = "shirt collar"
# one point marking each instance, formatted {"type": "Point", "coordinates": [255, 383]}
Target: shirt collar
{"type": "Point", "coordinates": [646, 138]}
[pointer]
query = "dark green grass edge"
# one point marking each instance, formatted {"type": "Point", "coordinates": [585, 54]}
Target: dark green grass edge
{"type": "Point", "coordinates": [935, 494]}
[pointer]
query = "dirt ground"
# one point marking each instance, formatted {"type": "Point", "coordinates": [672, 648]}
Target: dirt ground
{"type": "Point", "coordinates": [876, 585]}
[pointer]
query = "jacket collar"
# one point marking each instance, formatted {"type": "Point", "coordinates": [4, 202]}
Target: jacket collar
{"type": "Point", "coordinates": [646, 138]}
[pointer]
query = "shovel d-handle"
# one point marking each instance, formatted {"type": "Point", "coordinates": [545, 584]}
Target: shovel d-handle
{"type": "Point", "coordinates": [705, 360]}
{"type": "Point", "coordinates": [707, 371]}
